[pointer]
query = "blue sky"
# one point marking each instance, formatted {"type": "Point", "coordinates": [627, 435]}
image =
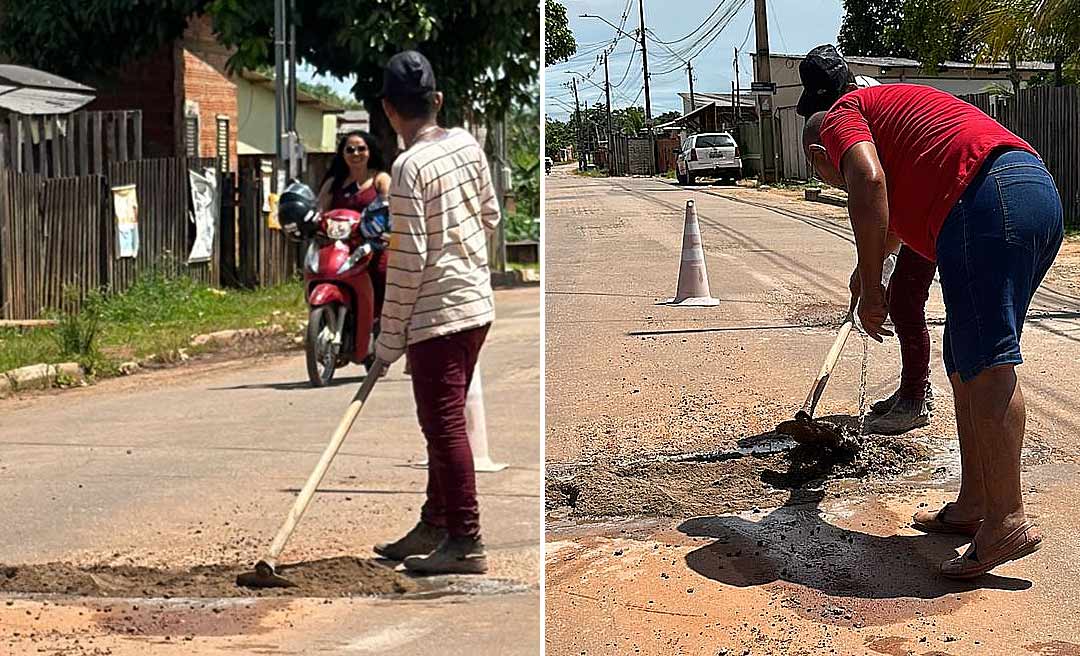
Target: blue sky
{"type": "Point", "coordinates": [795, 26]}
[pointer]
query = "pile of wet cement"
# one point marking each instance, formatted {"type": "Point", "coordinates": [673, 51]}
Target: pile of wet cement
{"type": "Point", "coordinates": [723, 482]}
{"type": "Point", "coordinates": [332, 577]}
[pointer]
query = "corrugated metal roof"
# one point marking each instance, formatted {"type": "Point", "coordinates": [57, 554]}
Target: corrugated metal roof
{"type": "Point", "coordinates": [23, 76]}
{"type": "Point", "coordinates": [30, 91]}
{"type": "Point", "coordinates": [901, 62]}
{"type": "Point", "coordinates": [42, 101]}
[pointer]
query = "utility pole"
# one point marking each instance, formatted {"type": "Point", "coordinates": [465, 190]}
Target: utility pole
{"type": "Point", "coordinates": [645, 66]}
{"type": "Point", "coordinates": [279, 88]}
{"type": "Point", "coordinates": [607, 96]}
{"type": "Point", "coordinates": [293, 141]}
{"type": "Point", "coordinates": [738, 91]}
{"type": "Point", "coordinates": [577, 124]}
{"type": "Point", "coordinates": [690, 76]}
{"type": "Point", "coordinates": [648, 99]}
{"type": "Point", "coordinates": [764, 102]}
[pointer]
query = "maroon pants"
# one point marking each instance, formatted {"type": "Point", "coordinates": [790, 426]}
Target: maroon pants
{"type": "Point", "coordinates": [442, 369]}
{"type": "Point", "coordinates": [908, 290]}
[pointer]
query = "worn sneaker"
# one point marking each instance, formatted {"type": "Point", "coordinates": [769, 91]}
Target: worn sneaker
{"type": "Point", "coordinates": [453, 556]}
{"type": "Point", "coordinates": [884, 405]}
{"type": "Point", "coordinates": [422, 539]}
{"type": "Point", "coordinates": [905, 415]}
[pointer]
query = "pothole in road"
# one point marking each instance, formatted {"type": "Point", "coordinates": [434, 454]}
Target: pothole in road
{"type": "Point", "coordinates": [761, 473]}
{"type": "Point", "coordinates": [332, 577]}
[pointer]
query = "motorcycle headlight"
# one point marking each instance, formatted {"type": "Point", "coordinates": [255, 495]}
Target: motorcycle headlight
{"type": "Point", "coordinates": [311, 260]}
{"type": "Point", "coordinates": [362, 251]}
{"type": "Point", "coordinates": [338, 229]}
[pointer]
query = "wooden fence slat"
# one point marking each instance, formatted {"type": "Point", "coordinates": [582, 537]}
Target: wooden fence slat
{"type": "Point", "coordinates": [98, 156]}
{"type": "Point", "coordinates": [137, 128]}
{"type": "Point", "coordinates": [69, 146]}
{"type": "Point", "coordinates": [122, 136]}
{"type": "Point", "coordinates": [82, 129]}
{"type": "Point", "coordinates": [55, 153]}
{"type": "Point", "coordinates": [27, 146]}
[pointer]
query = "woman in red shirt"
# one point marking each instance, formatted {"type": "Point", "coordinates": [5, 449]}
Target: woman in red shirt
{"type": "Point", "coordinates": [958, 188]}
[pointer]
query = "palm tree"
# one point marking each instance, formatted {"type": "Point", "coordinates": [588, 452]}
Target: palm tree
{"type": "Point", "coordinates": [1016, 29]}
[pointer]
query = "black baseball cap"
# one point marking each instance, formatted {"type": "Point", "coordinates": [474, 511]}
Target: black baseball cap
{"type": "Point", "coordinates": [407, 73]}
{"type": "Point", "coordinates": [824, 75]}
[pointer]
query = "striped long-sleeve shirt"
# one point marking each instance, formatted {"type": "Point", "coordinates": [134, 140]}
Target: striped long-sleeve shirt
{"type": "Point", "coordinates": [442, 208]}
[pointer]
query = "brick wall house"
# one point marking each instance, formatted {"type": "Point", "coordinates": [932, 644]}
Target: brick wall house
{"type": "Point", "coordinates": [187, 98]}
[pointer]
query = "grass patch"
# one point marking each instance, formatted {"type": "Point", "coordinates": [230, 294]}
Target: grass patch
{"type": "Point", "coordinates": [592, 173]}
{"type": "Point", "coordinates": [519, 266]}
{"type": "Point", "coordinates": [158, 315]}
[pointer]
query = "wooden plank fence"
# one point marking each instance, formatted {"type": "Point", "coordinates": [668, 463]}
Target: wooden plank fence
{"type": "Point", "coordinates": [68, 145]}
{"type": "Point", "coordinates": [1048, 118]}
{"type": "Point", "coordinates": [165, 231]}
{"type": "Point", "coordinates": [60, 233]}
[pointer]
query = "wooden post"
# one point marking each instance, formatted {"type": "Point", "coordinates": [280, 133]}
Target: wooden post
{"type": "Point", "coordinates": [27, 145]}
{"type": "Point", "coordinates": [121, 136]}
{"type": "Point", "coordinates": [98, 167]}
{"type": "Point", "coordinates": [3, 150]}
{"type": "Point", "coordinates": [110, 137]}
{"type": "Point", "coordinates": [82, 132]}
{"type": "Point", "coordinates": [69, 146]}
{"type": "Point", "coordinates": [53, 123]}
{"type": "Point", "coordinates": [137, 129]}
{"type": "Point", "coordinates": [43, 153]}
{"type": "Point", "coordinates": [13, 143]}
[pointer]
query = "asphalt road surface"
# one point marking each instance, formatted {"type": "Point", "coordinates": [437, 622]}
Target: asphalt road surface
{"type": "Point", "coordinates": [198, 465]}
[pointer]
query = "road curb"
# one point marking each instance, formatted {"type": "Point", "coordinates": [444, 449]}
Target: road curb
{"type": "Point", "coordinates": [40, 376]}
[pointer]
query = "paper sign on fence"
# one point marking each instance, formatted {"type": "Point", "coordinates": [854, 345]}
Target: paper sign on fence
{"type": "Point", "coordinates": [126, 208]}
{"type": "Point", "coordinates": [204, 200]}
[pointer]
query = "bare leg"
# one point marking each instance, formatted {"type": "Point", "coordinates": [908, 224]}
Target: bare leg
{"type": "Point", "coordinates": [998, 417]}
{"type": "Point", "coordinates": [970, 501]}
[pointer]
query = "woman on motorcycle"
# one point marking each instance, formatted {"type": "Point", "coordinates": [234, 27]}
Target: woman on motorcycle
{"type": "Point", "coordinates": [356, 178]}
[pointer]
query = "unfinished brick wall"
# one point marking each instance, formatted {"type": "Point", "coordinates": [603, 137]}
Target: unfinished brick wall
{"type": "Point", "coordinates": [206, 83]}
{"type": "Point", "coordinates": [214, 95]}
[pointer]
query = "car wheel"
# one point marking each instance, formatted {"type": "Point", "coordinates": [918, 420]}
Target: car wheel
{"type": "Point", "coordinates": [691, 179]}
{"type": "Point", "coordinates": [680, 178]}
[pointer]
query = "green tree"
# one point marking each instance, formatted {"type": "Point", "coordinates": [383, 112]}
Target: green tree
{"type": "Point", "coordinates": [933, 33]}
{"type": "Point", "coordinates": [1018, 29]}
{"type": "Point", "coordinates": [666, 117]}
{"type": "Point", "coordinates": [82, 39]}
{"type": "Point", "coordinates": [523, 136]}
{"type": "Point", "coordinates": [486, 52]}
{"type": "Point", "coordinates": [559, 42]}
{"type": "Point", "coordinates": [557, 135]}
{"type": "Point", "coordinates": [872, 28]}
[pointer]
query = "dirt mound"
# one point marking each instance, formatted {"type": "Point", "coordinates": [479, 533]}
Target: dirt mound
{"type": "Point", "coordinates": [712, 483]}
{"type": "Point", "coordinates": [332, 577]}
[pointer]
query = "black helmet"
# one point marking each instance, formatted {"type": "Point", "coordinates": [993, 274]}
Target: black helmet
{"type": "Point", "coordinates": [296, 210]}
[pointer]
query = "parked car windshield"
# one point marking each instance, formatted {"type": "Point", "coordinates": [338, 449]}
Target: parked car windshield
{"type": "Point", "coordinates": [714, 141]}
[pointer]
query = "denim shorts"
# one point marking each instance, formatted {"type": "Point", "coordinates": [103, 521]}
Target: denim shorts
{"type": "Point", "coordinates": [993, 251]}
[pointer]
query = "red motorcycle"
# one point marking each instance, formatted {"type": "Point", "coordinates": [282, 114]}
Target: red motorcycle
{"type": "Point", "coordinates": [342, 325]}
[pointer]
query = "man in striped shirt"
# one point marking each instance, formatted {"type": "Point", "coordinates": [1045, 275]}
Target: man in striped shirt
{"type": "Point", "coordinates": [439, 306]}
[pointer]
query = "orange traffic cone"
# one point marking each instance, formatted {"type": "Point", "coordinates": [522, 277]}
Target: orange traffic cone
{"type": "Point", "coordinates": [693, 287]}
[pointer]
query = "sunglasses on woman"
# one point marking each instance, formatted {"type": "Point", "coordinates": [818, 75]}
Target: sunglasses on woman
{"type": "Point", "coordinates": [355, 150]}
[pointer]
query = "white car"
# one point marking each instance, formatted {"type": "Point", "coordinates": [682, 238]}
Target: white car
{"type": "Point", "coordinates": [713, 154]}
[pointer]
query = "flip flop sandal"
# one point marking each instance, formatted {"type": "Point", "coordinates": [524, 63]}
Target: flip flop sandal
{"type": "Point", "coordinates": [1022, 541]}
{"type": "Point", "coordinates": [933, 521]}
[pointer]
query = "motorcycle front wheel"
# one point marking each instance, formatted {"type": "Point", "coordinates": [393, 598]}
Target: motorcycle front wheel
{"type": "Point", "coordinates": [319, 345]}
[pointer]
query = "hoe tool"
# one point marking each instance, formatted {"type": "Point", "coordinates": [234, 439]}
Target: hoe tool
{"type": "Point", "coordinates": [265, 574]}
{"type": "Point", "coordinates": [804, 429]}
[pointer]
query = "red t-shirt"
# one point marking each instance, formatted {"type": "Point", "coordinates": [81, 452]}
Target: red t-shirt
{"type": "Point", "coordinates": [930, 143]}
